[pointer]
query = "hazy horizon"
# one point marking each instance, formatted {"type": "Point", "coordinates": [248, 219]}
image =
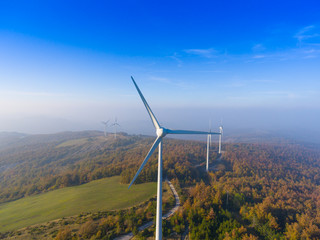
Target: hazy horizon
{"type": "Point", "coordinates": [296, 125]}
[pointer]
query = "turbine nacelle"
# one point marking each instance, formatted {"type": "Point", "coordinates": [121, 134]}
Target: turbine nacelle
{"type": "Point", "coordinates": [161, 132]}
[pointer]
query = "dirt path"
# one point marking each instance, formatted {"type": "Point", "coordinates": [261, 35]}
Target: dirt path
{"type": "Point", "coordinates": [167, 215]}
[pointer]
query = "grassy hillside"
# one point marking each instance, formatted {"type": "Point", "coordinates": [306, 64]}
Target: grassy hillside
{"type": "Point", "coordinates": [103, 194]}
{"type": "Point", "coordinates": [40, 163]}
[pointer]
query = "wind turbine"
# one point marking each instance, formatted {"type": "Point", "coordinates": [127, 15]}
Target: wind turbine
{"type": "Point", "coordinates": [220, 136]}
{"type": "Point", "coordinates": [105, 127]}
{"type": "Point", "coordinates": [115, 124]}
{"type": "Point", "coordinates": [161, 133]}
{"type": "Point", "coordinates": [208, 148]}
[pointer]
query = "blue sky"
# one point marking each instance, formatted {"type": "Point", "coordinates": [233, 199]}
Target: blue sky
{"type": "Point", "coordinates": [66, 65]}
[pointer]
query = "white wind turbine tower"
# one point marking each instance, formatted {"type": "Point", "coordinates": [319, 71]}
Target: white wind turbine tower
{"type": "Point", "coordinates": [115, 124]}
{"type": "Point", "coordinates": [208, 148]}
{"type": "Point", "coordinates": [220, 136]}
{"type": "Point", "coordinates": [105, 127]}
{"type": "Point", "coordinates": [161, 133]}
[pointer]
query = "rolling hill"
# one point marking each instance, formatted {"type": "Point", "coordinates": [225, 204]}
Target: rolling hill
{"type": "Point", "coordinates": [99, 195]}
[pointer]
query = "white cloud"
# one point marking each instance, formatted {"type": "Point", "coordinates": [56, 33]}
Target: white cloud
{"type": "Point", "coordinates": [160, 79]}
{"type": "Point", "coordinates": [206, 53]}
{"type": "Point", "coordinates": [307, 32]}
{"type": "Point", "coordinates": [180, 84]}
{"type": "Point", "coordinates": [258, 47]}
{"type": "Point", "coordinates": [258, 56]}
{"type": "Point", "coordinates": [265, 81]}
{"type": "Point", "coordinates": [177, 59]}
{"type": "Point", "coordinates": [310, 56]}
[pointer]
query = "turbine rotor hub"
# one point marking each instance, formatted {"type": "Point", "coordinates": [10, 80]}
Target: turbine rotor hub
{"type": "Point", "coordinates": [161, 132]}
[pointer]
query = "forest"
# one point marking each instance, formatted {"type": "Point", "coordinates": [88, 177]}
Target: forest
{"type": "Point", "coordinates": [257, 191]}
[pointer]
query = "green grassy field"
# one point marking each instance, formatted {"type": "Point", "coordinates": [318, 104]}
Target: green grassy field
{"type": "Point", "coordinates": [103, 194]}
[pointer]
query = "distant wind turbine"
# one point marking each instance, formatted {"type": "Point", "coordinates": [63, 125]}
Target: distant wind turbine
{"type": "Point", "coordinates": [115, 124]}
{"type": "Point", "coordinates": [161, 133]}
{"type": "Point", "coordinates": [220, 136]}
{"type": "Point", "coordinates": [105, 127]}
{"type": "Point", "coordinates": [208, 148]}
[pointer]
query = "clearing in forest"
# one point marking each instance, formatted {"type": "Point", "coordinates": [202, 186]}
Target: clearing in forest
{"type": "Point", "coordinates": [103, 194]}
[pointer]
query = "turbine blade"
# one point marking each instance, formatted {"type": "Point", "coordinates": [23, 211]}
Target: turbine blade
{"type": "Point", "coordinates": [154, 146]}
{"type": "Point", "coordinates": [152, 116]}
{"type": "Point", "coordinates": [169, 131]}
